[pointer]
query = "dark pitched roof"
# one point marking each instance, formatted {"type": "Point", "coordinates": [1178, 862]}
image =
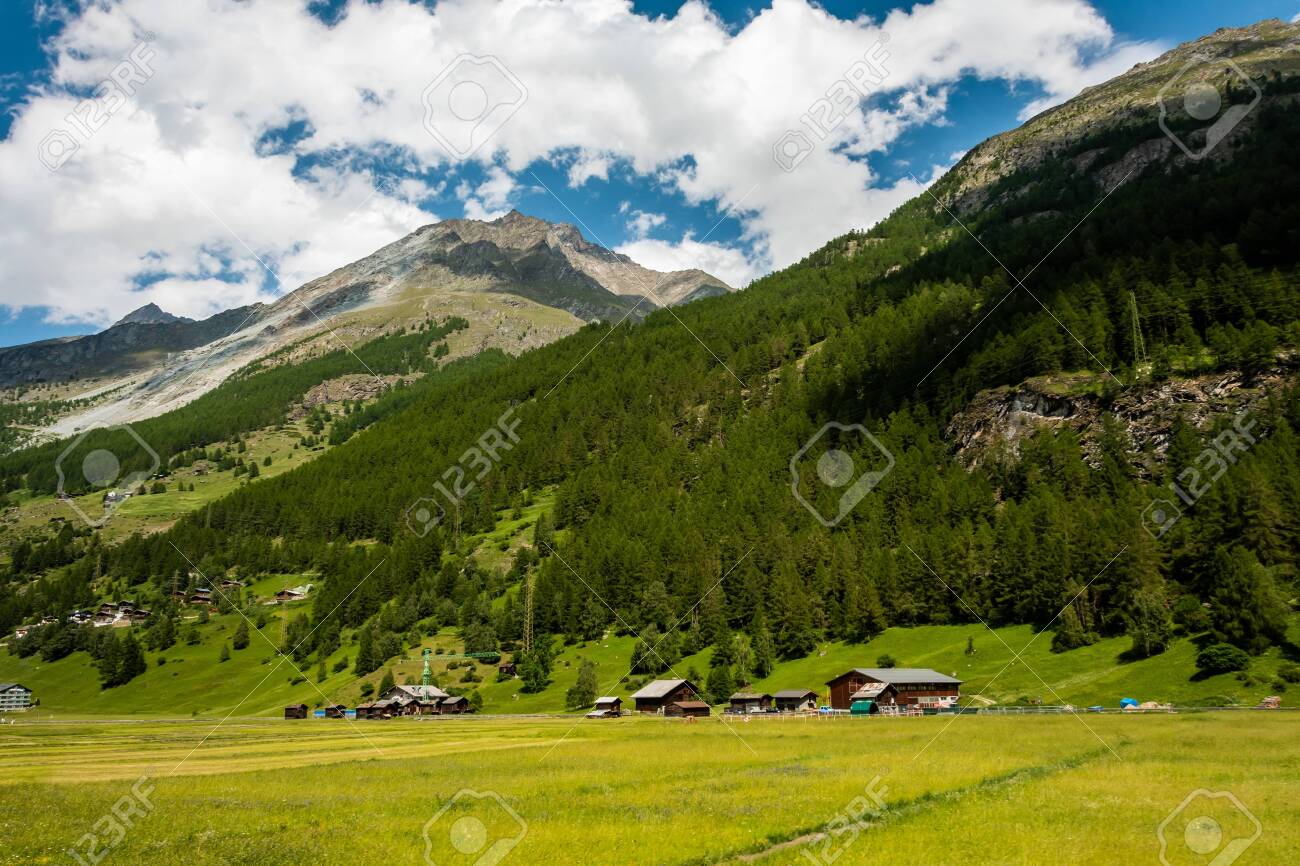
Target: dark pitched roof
{"type": "Point", "coordinates": [660, 689]}
{"type": "Point", "coordinates": [795, 693]}
{"type": "Point", "coordinates": [899, 676]}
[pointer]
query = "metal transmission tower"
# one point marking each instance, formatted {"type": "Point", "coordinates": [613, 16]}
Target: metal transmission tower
{"type": "Point", "coordinates": [426, 677]}
{"type": "Point", "coordinates": [1139, 346]}
{"type": "Point", "coordinates": [528, 613]}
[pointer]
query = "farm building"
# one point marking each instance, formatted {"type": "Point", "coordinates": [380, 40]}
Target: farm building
{"type": "Point", "coordinates": [607, 708]}
{"type": "Point", "coordinates": [871, 697]}
{"type": "Point", "coordinates": [454, 704]}
{"type": "Point", "coordinates": [687, 708]}
{"type": "Point", "coordinates": [912, 686]}
{"type": "Point", "coordinates": [795, 700]}
{"type": "Point", "coordinates": [335, 711]}
{"type": "Point", "coordinates": [750, 702]}
{"type": "Point", "coordinates": [14, 697]}
{"type": "Point", "coordinates": [293, 593]}
{"type": "Point", "coordinates": [414, 700]}
{"type": "Point", "coordinates": [656, 696]}
{"type": "Point", "coordinates": [506, 669]}
{"type": "Point", "coordinates": [295, 711]}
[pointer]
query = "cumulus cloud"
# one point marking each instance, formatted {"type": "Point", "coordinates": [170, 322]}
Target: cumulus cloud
{"type": "Point", "coordinates": [642, 223]}
{"type": "Point", "coordinates": [183, 169]}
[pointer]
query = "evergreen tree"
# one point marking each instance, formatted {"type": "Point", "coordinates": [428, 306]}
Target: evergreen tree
{"type": "Point", "coordinates": [240, 638]}
{"type": "Point", "coordinates": [583, 693]}
{"type": "Point", "coordinates": [225, 653]}
{"type": "Point", "coordinates": [1246, 608]}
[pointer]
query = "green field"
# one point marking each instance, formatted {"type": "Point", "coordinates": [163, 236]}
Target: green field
{"type": "Point", "coordinates": [1030, 789]}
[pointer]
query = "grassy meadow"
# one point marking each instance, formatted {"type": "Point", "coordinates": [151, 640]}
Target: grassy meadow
{"type": "Point", "coordinates": [650, 791]}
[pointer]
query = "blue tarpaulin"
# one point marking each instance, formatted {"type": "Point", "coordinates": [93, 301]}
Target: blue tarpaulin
{"type": "Point", "coordinates": [1127, 702]}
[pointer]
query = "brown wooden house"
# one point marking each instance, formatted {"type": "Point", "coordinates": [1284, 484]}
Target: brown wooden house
{"type": "Point", "coordinates": [658, 695]}
{"type": "Point", "coordinates": [453, 705]}
{"type": "Point", "coordinates": [336, 711]}
{"type": "Point", "coordinates": [795, 701]}
{"type": "Point", "coordinates": [686, 708]}
{"type": "Point", "coordinates": [912, 686]}
{"type": "Point", "coordinates": [295, 711]}
{"type": "Point", "coordinates": [750, 702]}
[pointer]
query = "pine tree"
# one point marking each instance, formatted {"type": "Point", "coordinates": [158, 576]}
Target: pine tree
{"type": "Point", "coordinates": [225, 653]}
{"type": "Point", "coordinates": [721, 685]}
{"type": "Point", "coordinates": [132, 662]}
{"type": "Point", "coordinates": [240, 638]}
{"type": "Point", "coordinates": [583, 692]}
{"type": "Point", "coordinates": [1246, 608]}
{"type": "Point", "coordinates": [387, 682]}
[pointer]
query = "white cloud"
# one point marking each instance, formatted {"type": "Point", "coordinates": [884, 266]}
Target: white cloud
{"type": "Point", "coordinates": [178, 172]}
{"type": "Point", "coordinates": [642, 223]}
{"type": "Point", "coordinates": [726, 263]}
{"type": "Point", "coordinates": [491, 198]}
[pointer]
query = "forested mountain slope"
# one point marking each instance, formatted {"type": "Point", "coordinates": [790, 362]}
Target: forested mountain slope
{"type": "Point", "coordinates": [675, 512]}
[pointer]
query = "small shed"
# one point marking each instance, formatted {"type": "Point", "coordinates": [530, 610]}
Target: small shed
{"type": "Point", "coordinates": [750, 702]}
{"type": "Point", "coordinates": [879, 694]}
{"type": "Point", "coordinates": [507, 669]}
{"type": "Point", "coordinates": [611, 704]}
{"type": "Point", "coordinates": [454, 704]}
{"type": "Point", "coordinates": [335, 711]}
{"type": "Point", "coordinates": [295, 711]}
{"type": "Point", "coordinates": [363, 710]}
{"type": "Point", "coordinates": [795, 701]}
{"type": "Point", "coordinates": [687, 709]}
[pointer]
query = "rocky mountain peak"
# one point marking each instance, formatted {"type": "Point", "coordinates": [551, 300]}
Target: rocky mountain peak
{"type": "Point", "coordinates": [149, 314]}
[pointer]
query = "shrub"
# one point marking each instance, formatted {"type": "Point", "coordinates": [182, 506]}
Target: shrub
{"type": "Point", "coordinates": [1289, 671]}
{"type": "Point", "coordinates": [1221, 658]}
{"type": "Point", "coordinates": [885, 660]}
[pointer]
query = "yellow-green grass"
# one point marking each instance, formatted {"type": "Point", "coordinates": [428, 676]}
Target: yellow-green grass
{"type": "Point", "coordinates": [651, 791]}
{"type": "Point", "coordinates": [155, 512]}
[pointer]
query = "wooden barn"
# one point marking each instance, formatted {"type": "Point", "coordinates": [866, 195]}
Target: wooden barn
{"type": "Point", "coordinates": [687, 708]}
{"type": "Point", "coordinates": [453, 705]}
{"type": "Point", "coordinates": [658, 695]}
{"type": "Point", "coordinates": [876, 694]}
{"type": "Point", "coordinates": [295, 711]}
{"type": "Point", "coordinates": [336, 711]}
{"type": "Point", "coordinates": [912, 686]}
{"type": "Point", "coordinates": [795, 701]}
{"type": "Point", "coordinates": [415, 700]}
{"type": "Point", "coordinates": [750, 702]}
{"type": "Point", "coordinates": [607, 708]}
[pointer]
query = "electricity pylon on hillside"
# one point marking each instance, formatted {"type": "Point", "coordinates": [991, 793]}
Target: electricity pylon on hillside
{"type": "Point", "coordinates": [1139, 345]}
{"type": "Point", "coordinates": [426, 676]}
{"type": "Point", "coordinates": [528, 613]}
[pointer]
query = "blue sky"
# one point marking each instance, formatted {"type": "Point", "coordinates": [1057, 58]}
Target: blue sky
{"type": "Point", "coordinates": [313, 184]}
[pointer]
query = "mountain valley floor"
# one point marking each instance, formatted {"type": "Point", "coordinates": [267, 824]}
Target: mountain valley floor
{"type": "Point", "coordinates": [1027, 789]}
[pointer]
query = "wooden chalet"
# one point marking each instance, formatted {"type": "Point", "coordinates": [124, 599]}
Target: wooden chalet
{"type": "Point", "coordinates": [795, 701]}
{"type": "Point", "coordinates": [658, 695]}
{"type": "Point", "coordinates": [414, 700]}
{"type": "Point", "coordinates": [750, 702]}
{"type": "Point", "coordinates": [692, 709]}
{"type": "Point", "coordinates": [295, 711]}
{"type": "Point", "coordinates": [454, 705]}
{"type": "Point", "coordinates": [507, 669]}
{"type": "Point", "coordinates": [912, 687]}
{"type": "Point", "coordinates": [335, 711]}
{"type": "Point", "coordinates": [607, 708]}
